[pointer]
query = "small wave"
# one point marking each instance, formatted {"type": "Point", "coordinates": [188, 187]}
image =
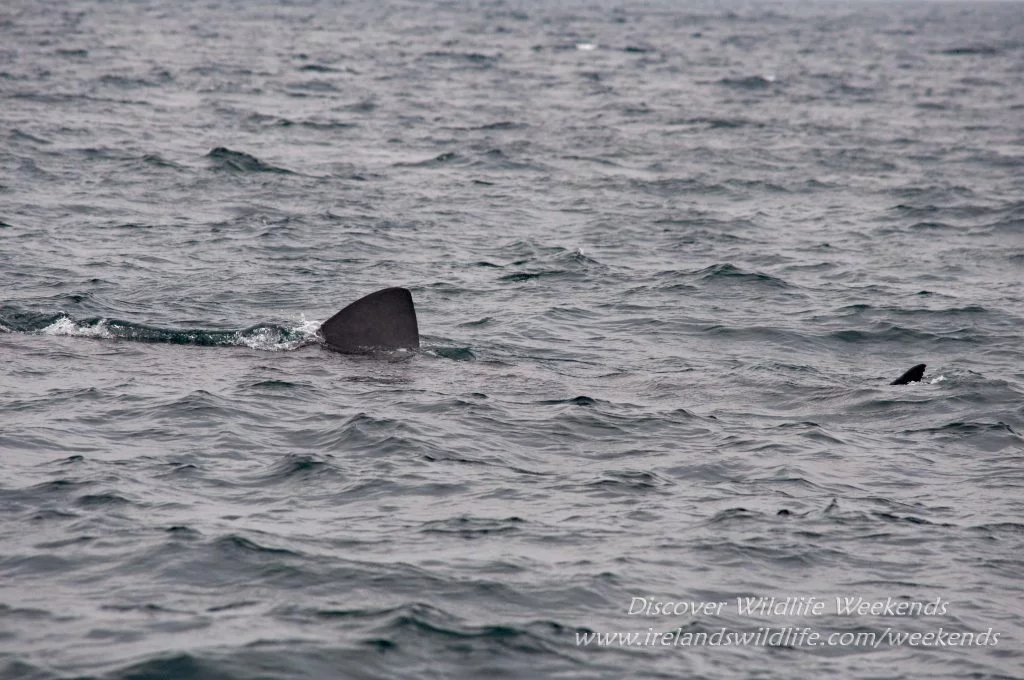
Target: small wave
{"type": "Point", "coordinates": [422, 621]}
{"type": "Point", "coordinates": [382, 436]}
{"type": "Point", "coordinates": [453, 353]}
{"type": "Point", "coordinates": [502, 125]}
{"type": "Point", "coordinates": [868, 312]}
{"type": "Point", "coordinates": [234, 542]}
{"type": "Point", "coordinates": [907, 519]}
{"type": "Point", "coordinates": [730, 514]}
{"type": "Point", "coordinates": [973, 427]}
{"type": "Point", "coordinates": [184, 532]}
{"type": "Point", "coordinates": [474, 527]}
{"type": "Point", "coordinates": [474, 59]}
{"type": "Point", "coordinates": [759, 185]}
{"type": "Point", "coordinates": [314, 85]}
{"type": "Point", "coordinates": [237, 161]}
{"type": "Point", "coordinates": [130, 83]}
{"type": "Point", "coordinates": [485, 321]}
{"type": "Point", "coordinates": [629, 481]}
{"type": "Point", "coordinates": [101, 500]}
{"type": "Point", "coordinates": [487, 160]}
{"type": "Point", "coordinates": [304, 468]}
{"type": "Point", "coordinates": [317, 68]}
{"type": "Point", "coordinates": [887, 332]}
{"type": "Point", "coordinates": [363, 106]}
{"type": "Point", "coordinates": [275, 385]}
{"type": "Point", "coordinates": [440, 159]}
{"type": "Point", "coordinates": [749, 82]}
{"type": "Point", "coordinates": [581, 400]}
{"type": "Point", "coordinates": [18, 135]}
{"type": "Point", "coordinates": [326, 124]}
{"type": "Point", "coordinates": [981, 50]}
{"type": "Point", "coordinates": [173, 666]}
{"type": "Point", "coordinates": [727, 273]}
{"type": "Point", "coordinates": [675, 186]}
{"type": "Point", "coordinates": [719, 123]}
{"type": "Point", "coordinates": [1014, 528]}
{"type": "Point", "coordinates": [559, 262]}
{"type": "Point", "coordinates": [527, 276]}
{"type": "Point", "coordinates": [158, 161]}
{"type": "Point", "coordinates": [61, 485]}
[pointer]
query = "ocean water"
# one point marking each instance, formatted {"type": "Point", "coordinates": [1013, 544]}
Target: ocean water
{"type": "Point", "coordinates": [667, 258]}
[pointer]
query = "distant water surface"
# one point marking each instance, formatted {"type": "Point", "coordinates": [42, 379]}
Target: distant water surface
{"type": "Point", "coordinates": [667, 257]}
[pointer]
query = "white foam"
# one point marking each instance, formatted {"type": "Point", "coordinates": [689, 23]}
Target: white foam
{"type": "Point", "coordinates": [937, 380]}
{"type": "Point", "coordinates": [586, 47]}
{"type": "Point", "coordinates": [273, 340]}
{"type": "Point", "coordinates": [66, 326]}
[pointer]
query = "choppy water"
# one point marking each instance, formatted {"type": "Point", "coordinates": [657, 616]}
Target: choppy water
{"type": "Point", "coordinates": [667, 258]}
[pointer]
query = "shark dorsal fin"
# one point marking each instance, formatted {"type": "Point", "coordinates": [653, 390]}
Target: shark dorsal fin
{"type": "Point", "coordinates": [912, 375]}
{"type": "Point", "coordinates": [382, 320]}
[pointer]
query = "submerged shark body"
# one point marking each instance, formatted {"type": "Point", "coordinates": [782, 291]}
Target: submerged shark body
{"type": "Point", "coordinates": [387, 320]}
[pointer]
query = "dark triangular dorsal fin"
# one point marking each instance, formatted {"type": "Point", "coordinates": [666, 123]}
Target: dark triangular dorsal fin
{"type": "Point", "coordinates": [382, 320]}
{"type": "Point", "coordinates": [913, 375]}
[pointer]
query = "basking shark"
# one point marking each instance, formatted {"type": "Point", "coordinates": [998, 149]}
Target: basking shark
{"type": "Point", "coordinates": [386, 320]}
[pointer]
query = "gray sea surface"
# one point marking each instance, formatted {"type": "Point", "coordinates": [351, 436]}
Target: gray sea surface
{"type": "Point", "coordinates": [667, 258]}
